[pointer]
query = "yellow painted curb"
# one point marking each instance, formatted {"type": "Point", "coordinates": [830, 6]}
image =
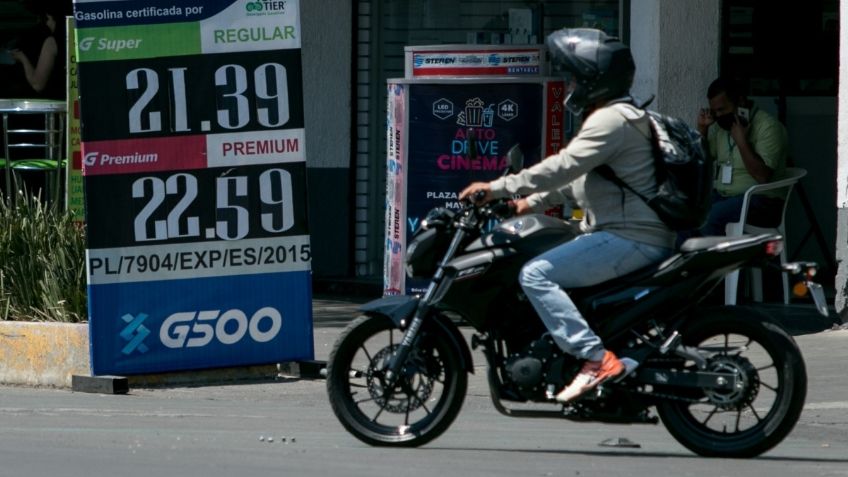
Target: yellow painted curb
{"type": "Point", "coordinates": [48, 354]}
{"type": "Point", "coordinates": [43, 354]}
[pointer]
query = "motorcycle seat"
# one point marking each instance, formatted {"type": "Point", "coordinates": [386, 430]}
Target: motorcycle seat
{"type": "Point", "coordinates": [701, 243]}
{"type": "Point", "coordinates": [665, 269]}
{"type": "Point", "coordinates": [698, 244]}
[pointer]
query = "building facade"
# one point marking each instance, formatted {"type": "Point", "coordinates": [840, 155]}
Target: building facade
{"type": "Point", "coordinates": [679, 47]}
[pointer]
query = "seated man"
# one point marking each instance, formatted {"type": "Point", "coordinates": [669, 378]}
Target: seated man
{"type": "Point", "coordinates": [749, 147]}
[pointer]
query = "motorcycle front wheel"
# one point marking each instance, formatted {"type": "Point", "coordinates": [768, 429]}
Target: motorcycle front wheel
{"type": "Point", "coordinates": [423, 403]}
{"type": "Point", "coordinates": [767, 401]}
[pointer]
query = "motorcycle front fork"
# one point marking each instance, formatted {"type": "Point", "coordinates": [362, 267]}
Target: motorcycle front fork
{"type": "Point", "coordinates": [400, 355]}
{"type": "Point", "coordinates": [411, 334]}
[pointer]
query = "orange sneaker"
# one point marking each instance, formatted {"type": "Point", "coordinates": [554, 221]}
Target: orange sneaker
{"type": "Point", "coordinates": [591, 375]}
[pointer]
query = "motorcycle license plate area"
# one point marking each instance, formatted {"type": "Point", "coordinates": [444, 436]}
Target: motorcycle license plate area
{"type": "Point", "coordinates": [817, 293]}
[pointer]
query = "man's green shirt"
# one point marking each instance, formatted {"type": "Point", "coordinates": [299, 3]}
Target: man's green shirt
{"type": "Point", "coordinates": [767, 137]}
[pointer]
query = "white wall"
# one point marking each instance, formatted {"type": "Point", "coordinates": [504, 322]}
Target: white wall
{"type": "Point", "coordinates": [842, 169]}
{"type": "Point", "coordinates": [327, 49]}
{"type": "Point", "coordinates": [676, 48]}
{"type": "Point", "coordinates": [326, 54]}
{"type": "Point", "coordinates": [645, 45]}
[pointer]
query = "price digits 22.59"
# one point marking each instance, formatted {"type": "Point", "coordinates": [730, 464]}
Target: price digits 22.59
{"type": "Point", "coordinates": [276, 214]}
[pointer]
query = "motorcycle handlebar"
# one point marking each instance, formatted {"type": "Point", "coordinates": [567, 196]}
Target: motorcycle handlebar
{"type": "Point", "coordinates": [503, 209]}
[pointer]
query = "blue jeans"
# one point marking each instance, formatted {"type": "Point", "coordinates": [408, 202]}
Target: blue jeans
{"type": "Point", "coordinates": [763, 212]}
{"type": "Point", "coordinates": [585, 261]}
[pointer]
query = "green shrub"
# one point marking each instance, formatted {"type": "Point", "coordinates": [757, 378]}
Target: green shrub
{"type": "Point", "coordinates": [42, 263]}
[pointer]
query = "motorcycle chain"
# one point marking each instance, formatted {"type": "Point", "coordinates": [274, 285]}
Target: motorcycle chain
{"type": "Point", "coordinates": [669, 397]}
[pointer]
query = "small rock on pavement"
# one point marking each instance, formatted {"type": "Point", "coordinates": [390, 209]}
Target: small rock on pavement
{"type": "Point", "coordinates": [619, 442]}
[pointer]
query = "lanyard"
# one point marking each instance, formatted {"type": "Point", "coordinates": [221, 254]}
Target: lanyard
{"type": "Point", "coordinates": [730, 147]}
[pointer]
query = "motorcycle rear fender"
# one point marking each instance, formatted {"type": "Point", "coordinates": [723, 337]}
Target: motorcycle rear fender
{"type": "Point", "coordinates": [401, 308]}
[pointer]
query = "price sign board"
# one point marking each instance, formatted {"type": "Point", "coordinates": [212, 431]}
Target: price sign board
{"type": "Point", "coordinates": [195, 177]}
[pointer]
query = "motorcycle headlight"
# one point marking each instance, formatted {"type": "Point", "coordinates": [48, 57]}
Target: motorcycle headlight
{"type": "Point", "coordinates": [437, 217]}
{"type": "Point", "coordinates": [424, 251]}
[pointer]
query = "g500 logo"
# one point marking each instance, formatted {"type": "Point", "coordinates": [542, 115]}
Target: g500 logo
{"type": "Point", "coordinates": [85, 43]}
{"type": "Point", "coordinates": [134, 333]}
{"type": "Point", "coordinates": [90, 159]}
{"type": "Point", "coordinates": [203, 326]}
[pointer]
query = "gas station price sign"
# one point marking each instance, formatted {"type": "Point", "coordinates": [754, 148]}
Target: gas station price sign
{"type": "Point", "coordinates": [195, 175]}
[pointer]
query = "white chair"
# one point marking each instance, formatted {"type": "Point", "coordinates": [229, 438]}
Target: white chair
{"type": "Point", "coordinates": [731, 281]}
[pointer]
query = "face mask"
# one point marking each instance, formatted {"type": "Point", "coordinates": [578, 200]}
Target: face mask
{"type": "Point", "coordinates": [725, 121]}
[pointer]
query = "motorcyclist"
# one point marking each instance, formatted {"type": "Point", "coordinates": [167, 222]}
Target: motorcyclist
{"type": "Point", "coordinates": [621, 233]}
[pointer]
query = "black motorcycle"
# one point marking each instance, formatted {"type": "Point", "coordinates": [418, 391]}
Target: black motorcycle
{"type": "Point", "coordinates": [725, 380]}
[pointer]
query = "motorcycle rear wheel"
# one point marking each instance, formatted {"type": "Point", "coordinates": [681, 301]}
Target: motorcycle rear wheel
{"type": "Point", "coordinates": [752, 420]}
{"type": "Point", "coordinates": [422, 406]}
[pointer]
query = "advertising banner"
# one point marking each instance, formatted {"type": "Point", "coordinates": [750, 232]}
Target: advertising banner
{"type": "Point", "coordinates": [472, 61]}
{"type": "Point", "coordinates": [393, 266]}
{"type": "Point", "coordinates": [438, 164]}
{"type": "Point", "coordinates": [195, 177]}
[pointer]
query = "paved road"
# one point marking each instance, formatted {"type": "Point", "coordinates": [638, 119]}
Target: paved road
{"type": "Point", "coordinates": [218, 430]}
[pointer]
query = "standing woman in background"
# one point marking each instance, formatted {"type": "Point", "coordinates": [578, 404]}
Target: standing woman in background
{"type": "Point", "coordinates": [43, 54]}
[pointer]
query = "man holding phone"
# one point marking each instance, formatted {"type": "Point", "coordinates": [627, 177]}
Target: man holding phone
{"type": "Point", "coordinates": [748, 147]}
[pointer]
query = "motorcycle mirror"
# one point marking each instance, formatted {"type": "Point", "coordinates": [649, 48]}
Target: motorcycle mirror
{"type": "Point", "coordinates": [515, 158]}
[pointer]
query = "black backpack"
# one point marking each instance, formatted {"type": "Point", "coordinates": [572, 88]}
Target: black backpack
{"type": "Point", "coordinates": [684, 174]}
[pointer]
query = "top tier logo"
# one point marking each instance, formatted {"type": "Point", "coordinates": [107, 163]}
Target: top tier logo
{"type": "Point", "coordinates": [265, 7]}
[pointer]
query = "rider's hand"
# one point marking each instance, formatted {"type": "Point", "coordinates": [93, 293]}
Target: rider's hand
{"type": "Point", "coordinates": [473, 189]}
{"type": "Point", "coordinates": [522, 206]}
{"type": "Point", "coordinates": [705, 120]}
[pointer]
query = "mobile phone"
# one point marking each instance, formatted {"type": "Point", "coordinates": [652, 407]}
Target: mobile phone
{"type": "Point", "coordinates": [744, 115]}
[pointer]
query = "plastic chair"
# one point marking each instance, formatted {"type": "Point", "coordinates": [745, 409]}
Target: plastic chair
{"type": "Point", "coordinates": [38, 126]}
{"type": "Point", "coordinates": [731, 280]}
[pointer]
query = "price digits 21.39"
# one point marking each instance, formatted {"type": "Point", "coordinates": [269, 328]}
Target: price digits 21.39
{"type": "Point", "coordinates": [175, 96]}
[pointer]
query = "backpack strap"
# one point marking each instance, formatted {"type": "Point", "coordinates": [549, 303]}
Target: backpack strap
{"type": "Point", "coordinates": [606, 171]}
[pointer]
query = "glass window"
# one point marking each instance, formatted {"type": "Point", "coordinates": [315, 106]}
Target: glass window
{"type": "Point", "coordinates": [385, 27]}
{"type": "Point", "coordinates": [782, 51]}
{"type": "Point", "coordinates": [436, 22]}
